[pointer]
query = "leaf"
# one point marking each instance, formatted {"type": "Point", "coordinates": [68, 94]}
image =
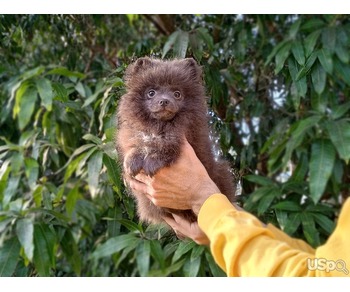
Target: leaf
{"type": "Point", "coordinates": [257, 195]}
{"type": "Point", "coordinates": [343, 70]}
{"type": "Point", "coordinates": [108, 195]}
{"type": "Point", "coordinates": [113, 226]}
{"type": "Point", "coordinates": [281, 57]}
{"type": "Point", "coordinates": [181, 44]}
{"type": "Point", "coordinates": [321, 166]}
{"type": "Point", "coordinates": [319, 102]}
{"type": "Point", "coordinates": [312, 24]}
{"type": "Point", "coordinates": [339, 132]}
{"type": "Point", "coordinates": [71, 251]}
{"type": "Point", "coordinates": [72, 198]}
{"type": "Point", "coordinates": [92, 138]}
{"type": "Point", "coordinates": [197, 251]}
{"type": "Point", "coordinates": [80, 88]}
{"type": "Point", "coordinates": [260, 180]}
{"type": "Point", "coordinates": [94, 96]}
{"type": "Point", "coordinates": [342, 53]}
{"type": "Point", "coordinates": [9, 255]}
{"type": "Point", "coordinates": [318, 77]}
{"type": "Point", "coordinates": [297, 187]}
{"type": "Point", "coordinates": [304, 125]}
{"type": "Point", "coordinates": [132, 226]}
{"type": "Point", "coordinates": [295, 141]}
{"type": "Point", "coordinates": [281, 217]}
{"type": "Point", "coordinates": [309, 229]}
{"type": "Point", "coordinates": [114, 245]}
{"type": "Point", "coordinates": [4, 169]}
{"type": "Point", "coordinates": [11, 188]}
{"type": "Point", "coordinates": [329, 36]}
{"type": "Point", "coordinates": [326, 60]}
{"type": "Point", "coordinates": [32, 73]}
{"type": "Point", "coordinates": [44, 88]}
{"type": "Point", "coordinates": [157, 253]}
{"type": "Point", "coordinates": [191, 267]}
{"type": "Point", "coordinates": [324, 222]}
{"type": "Point", "coordinates": [44, 256]}
{"type": "Point", "coordinates": [300, 84]}
{"type": "Point", "coordinates": [182, 249]}
{"type": "Point", "coordinates": [31, 171]}
{"type": "Point", "coordinates": [169, 44]}
{"type": "Point", "coordinates": [113, 171]}
{"type": "Point", "coordinates": [38, 195]}
{"type": "Point", "coordinates": [60, 92]}
{"type": "Point", "coordinates": [65, 72]}
{"type": "Point", "coordinates": [339, 110]}
{"type": "Point", "coordinates": [25, 231]}
{"type": "Point", "coordinates": [196, 45]}
{"type": "Point", "coordinates": [107, 97]}
{"type": "Point", "coordinates": [213, 266]}
{"type": "Point", "coordinates": [170, 269]}
{"type": "Point", "coordinates": [142, 253]}
{"type": "Point", "coordinates": [290, 206]}
{"type": "Point", "coordinates": [94, 169]}
{"type": "Point", "coordinates": [267, 199]}
{"type": "Point", "coordinates": [25, 104]}
{"type": "Point", "coordinates": [298, 52]}
{"type": "Point", "coordinates": [276, 48]}
{"type": "Point", "coordinates": [294, 28]}
{"type": "Point", "coordinates": [292, 223]}
{"type": "Point", "coordinates": [310, 42]}
{"type": "Point", "coordinates": [306, 69]}
{"type": "Point", "coordinates": [206, 37]}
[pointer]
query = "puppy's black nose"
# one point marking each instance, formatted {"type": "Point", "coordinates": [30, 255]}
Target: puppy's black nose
{"type": "Point", "coordinates": [163, 102]}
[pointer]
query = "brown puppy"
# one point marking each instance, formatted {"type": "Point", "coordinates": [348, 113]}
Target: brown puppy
{"type": "Point", "coordinates": [165, 102]}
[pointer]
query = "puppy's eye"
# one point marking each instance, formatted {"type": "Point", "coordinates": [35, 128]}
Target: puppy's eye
{"type": "Point", "coordinates": [151, 93]}
{"type": "Point", "coordinates": [177, 94]}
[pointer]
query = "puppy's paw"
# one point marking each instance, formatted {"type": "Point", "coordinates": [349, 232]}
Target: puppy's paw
{"type": "Point", "coordinates": [133, 164]}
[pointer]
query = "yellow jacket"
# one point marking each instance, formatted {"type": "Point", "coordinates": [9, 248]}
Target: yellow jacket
{"type": "Point", "coordinates": [243, 246]}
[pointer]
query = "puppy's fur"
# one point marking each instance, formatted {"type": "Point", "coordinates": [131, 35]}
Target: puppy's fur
{"type": "Point", "coordinates": [165, 101]}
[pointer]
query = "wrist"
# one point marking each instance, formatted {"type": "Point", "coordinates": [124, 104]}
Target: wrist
{"type": "Point", "coordinates": [202, 194]}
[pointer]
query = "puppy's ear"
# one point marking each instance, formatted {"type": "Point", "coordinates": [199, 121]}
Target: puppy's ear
{"type": "Point", "coordinates": [138, 66]}
{"type": "Point", "coordinates": [143, 63]}
{"type": "Point", "coordinates": [193, 68]}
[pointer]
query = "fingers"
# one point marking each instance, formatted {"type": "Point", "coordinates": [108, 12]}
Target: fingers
{"type": "Point", "coordinates": [142, 177]}
{"type": "Point", "coordinates": [183, 227]}
{"type": "Point", "coordinates": [138, 186]}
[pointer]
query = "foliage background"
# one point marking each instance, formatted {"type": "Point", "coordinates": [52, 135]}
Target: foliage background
{"type": "Point", "coordinates": [278, 88]}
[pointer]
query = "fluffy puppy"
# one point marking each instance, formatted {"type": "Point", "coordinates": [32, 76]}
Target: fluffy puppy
{"type": "Point", "coordinates": [165, 101]}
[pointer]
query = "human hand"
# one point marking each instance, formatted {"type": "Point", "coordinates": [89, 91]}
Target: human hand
{"type": "Point", "coordinates": [185, 228]}
{"type": "Point", "coordinates": [184, 185]}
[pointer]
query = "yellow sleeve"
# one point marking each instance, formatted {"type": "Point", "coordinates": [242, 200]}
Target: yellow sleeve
{"type": "Point", "coordinates": [243, 246]}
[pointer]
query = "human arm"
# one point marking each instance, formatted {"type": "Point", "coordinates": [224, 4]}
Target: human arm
{"type": "Point", "coordinates": [240, 243]}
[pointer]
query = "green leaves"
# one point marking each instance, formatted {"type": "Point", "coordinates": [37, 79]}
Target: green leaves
{"type": "Point", "coordinates": [94, 168]}
{"type": "Point", "coordinates": [318, 77]}
{"type": "Point", "coordinates": [25, 232]}
{"type": "Point", "coordinates": [298, 52]}
{"type": "Point", "coordinates": [44, 249]}
{"type": "Point", "coordinates": [143, 252]}
{"type": "Point", "coordinates": [282, 56]}
{"type": "Point", "coordinates": [25, 102]}
{"type": "Point", "coordinates": [9, 257]}
{"type": "Point", "coordinates": [339, 132]}
{"type": "Point", "coordinates": [114, 245]}
{"type": "Point", "coordinates": [178, 43]}
{"type": "Point", "coordinates": [45, 92]}
{"type": "Point", "coordinates": [321, 166]}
